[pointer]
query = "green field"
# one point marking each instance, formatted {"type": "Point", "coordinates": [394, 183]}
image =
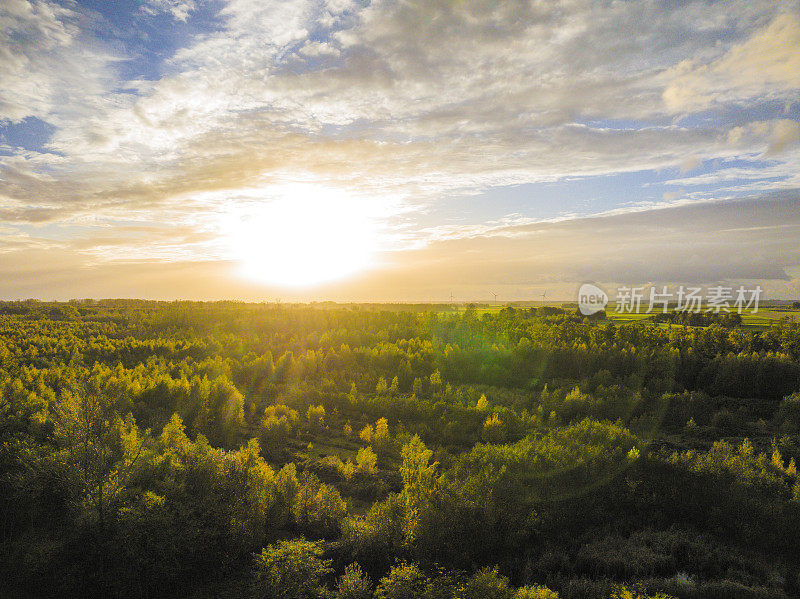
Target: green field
{"type": "Point", "coordinates": [763, 318]}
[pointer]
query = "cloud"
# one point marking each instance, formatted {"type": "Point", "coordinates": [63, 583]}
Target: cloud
{"type": "Point", "coordinates": [698, 244]}
{"type": "Point", "coordinates": [49, 69]}
{"type": "Point", "coordinates": [408, 103]}
{"type": "Point", "coordinates": [690, 163]}
{"type": "Point", "coordinates": [388, 75]}
{"type": "Point", "coordinates": [695, 243]}
{"type": "Point", "coordinates": [179, 9]}
{"type": "Point", "coordinates": [786, 134]}
{"type": "Point", "coordinates": [765, 65]}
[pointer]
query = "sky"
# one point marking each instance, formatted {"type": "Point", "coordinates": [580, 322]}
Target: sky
{"type": "Point", "coordinates": [377, 151]}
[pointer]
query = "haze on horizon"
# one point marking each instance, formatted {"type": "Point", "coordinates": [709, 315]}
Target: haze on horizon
{"type": "Point", "coordinates": [355, 150]}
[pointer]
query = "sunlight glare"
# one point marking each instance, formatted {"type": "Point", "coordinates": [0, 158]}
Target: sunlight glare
{"type": "Point", "coordinates": [305, 235]}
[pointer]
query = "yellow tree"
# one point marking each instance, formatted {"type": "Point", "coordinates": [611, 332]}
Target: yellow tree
{"type": "Point", "coordinates": [381, 437]}
{"type": "Point", "coordinates": [366, 460]}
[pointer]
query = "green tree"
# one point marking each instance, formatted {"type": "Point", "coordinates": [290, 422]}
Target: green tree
{"type": "Point", "coordinates": [366, 434]}
{"type": "Point", "coordinates": [382, 388]}
{"type": "Point", "coordinates": [535, 592]}
{"type": "Point", "coordinates": [419, 483]}
{"type": "Point", "coordinates": [486, 584]}
{"type": "Point", "coordinates": [222, 413]}
{"type": "Point", "coordinates": [329, 510]}
{"type": "Point", "coordinates": [417, 472]}
{"type": "Point", "coordinates": [291, 569]}
{"type": "Point", "coordinates": [279, 424]}
{"type": "Point", "coordinates": [404, 581]}
{"type": "Point", "coordinates": [494, 431]}
{"type": "Point", "coordinates": [436, 381]}
{"type": "Point", "coordinates": [316, 417]}
{"type": "Point", "coordinates": [381, 438]}
{"type": "Point", "coordinates": [100, 448]}
{"type": "Point", "coordinates": [788, 414]}
{"type": "Point", "coordinates": [354, 584]}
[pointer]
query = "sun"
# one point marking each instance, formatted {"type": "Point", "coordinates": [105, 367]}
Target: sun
{"type": "Point", "coordinates": [303, 234]}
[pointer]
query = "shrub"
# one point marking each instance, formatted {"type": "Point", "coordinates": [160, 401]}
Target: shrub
{"type": "Point", "coordinates": [404, 581]}
{"type": "Point", "coordinates": [625, 593]}
{"type": "Point", "coordinates": [486, 584]}
{"type": "Point", "coordinates": [788, 414]}
{"type": "Point", "coordinates": [316, 417]}
{"type": "Point", "coordinates": [289, 570]}
{"type": "Point", "coordinates": [366, 460]}
{"type": "Point", "coordinates": [724, 421]}
{"type": "Point", "coordinates": [535, 592]}
{"type": "Point", "coordinates": [354, 584]}
{"type": "Point", "coordinates": [728, 589]}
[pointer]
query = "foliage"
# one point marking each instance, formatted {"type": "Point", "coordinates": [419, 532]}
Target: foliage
{"type": "Point", "coordinates": [535, 592]}
{"type": "Point", "coordinates": [486, 584]}
{"type": "Point", "coordinates": [151, 448]}
{"type": "Point", "coordinates": [290, 570]}
{"type": "Point", "coordinates": [366, 461]}
{"type": "Point", "coordinates": [404, 581]}
{"type": "Point", "coordinates": [354, 584]}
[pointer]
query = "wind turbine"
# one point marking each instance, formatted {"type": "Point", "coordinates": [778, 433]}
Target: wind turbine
{"type": "Point", "coordinates": [495, 296]}
{"type": "Point", "coordinates": [544, 294]}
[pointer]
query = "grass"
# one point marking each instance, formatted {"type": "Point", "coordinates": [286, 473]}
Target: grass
{"type": "Point", "coordinates": [320, 448]}
{"type": "Point", "coordinates": [769, 316]}
{"type": "Point", "coordinates": [626, 317]}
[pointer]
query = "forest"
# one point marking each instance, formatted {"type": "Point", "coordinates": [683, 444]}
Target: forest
{"type": "Point", "coordinates": [282, 451]}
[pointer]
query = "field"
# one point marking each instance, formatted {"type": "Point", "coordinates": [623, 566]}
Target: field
{"type": "Point", "coordinates": [764, 317]}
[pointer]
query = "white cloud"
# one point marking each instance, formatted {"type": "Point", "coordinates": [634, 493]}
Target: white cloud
{"type": "Point", "coordinates": [179, 9]}
{"type": "Point", "coordinates": [48, 69]}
